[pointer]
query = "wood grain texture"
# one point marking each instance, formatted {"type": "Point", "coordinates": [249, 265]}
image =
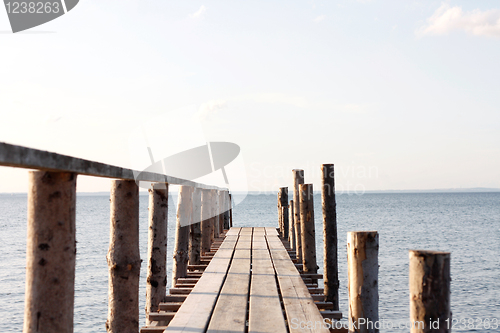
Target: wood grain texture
{"type": "Point", "coordinates": [156, 280]}
{"type": "Point", "coordinates": [430, 291]}
{"type": "Point", "coordinates": [230, 311]}
{"type": "Point", "coordinates": [330, 242]}
{"type": "Point", "coordinates": [182, 230]}
{"type": "Point", "coordinates": [124, 259]}
{"type": "Point", "coordinates": [29, 158]}
{"type": "Point", "coordinates": [50, 252]}
{"type": "Point", "coordinates": [265, 313]}
{"type": "Point", "coordinates": [362, 266]}
{"type": "Point", "coordinates": [298, 178]}
{"type": "Point", "coordinates": [308, 232]}
{"type": "Point", "coordinates": [302, 314]}
{"type": "Point", "coordinates": [194, 314]}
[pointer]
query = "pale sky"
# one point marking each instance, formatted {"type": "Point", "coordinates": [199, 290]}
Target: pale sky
{"type": "Point", "coordinates": [397, 94]}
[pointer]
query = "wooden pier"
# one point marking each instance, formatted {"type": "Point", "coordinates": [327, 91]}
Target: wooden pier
{"type": "Point", "coordinates": [251, 280]}
{"type": "Point", "coordinates": [224, 278]}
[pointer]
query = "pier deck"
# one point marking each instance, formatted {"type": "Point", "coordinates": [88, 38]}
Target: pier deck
{"type": "Point", "coordinates": [251, 280]}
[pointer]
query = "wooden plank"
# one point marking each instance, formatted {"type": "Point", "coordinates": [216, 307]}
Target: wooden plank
{"type": "Point", "coordinates": [29, 158]}
{"type": "Point", "coordinates": [194, 314]}
{"type": "Point", "coordinates": [302, 314]}
{"type": "Point", "coordinates": [233, 231]}
{"type": "Point", "coordinates": [265, 313]}
{"type": "Point", "coordinates": [271, 231]}
{"type": "Point", "coordinates": [230, 311]}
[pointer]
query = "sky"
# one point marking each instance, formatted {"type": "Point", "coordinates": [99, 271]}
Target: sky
{"type": "Point", "coordinates": [396, 94]}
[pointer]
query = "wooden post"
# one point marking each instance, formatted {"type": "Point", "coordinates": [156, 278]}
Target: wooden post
{"type": "Point", "coordinates": [157, 248]}
{"type": "Point", "coordinates": [362, 265]}
{"type": "Point", "coordinates": [283, 210]}
{"type": "Point", "coordinates": [206, 230]}
{"type": "Point", "coordinates": [280, 217]}
{"type": "Point", "coordinates": [123, 257]}
{"type": "Point", "coordinates": [430, 291]}
{"type": "Point", "coordinates": [50, 252]}
{"type": "Point", "coordinates": [216, 214]}
{"type": "Point", "coordinates": [308, 232]}
{"type": "Point", "coordinates": [195, 240]}
{"type": "Point", "coordinates": [227, 207]}
{"type": "Point", "coordinates": [183, 226]}
{"type": "Point", "coordinates": [221, 212]}
{"type": "Point", "coordinates": [230, 210]}
{"type": "Point", "coordinates": [330, 263]}
{"type": "Point", "coordinates": [213, 215]}
{"type": "Point", "coordinates": [291, 231]}
{"type": "Point", "coordinates": [298, 178]}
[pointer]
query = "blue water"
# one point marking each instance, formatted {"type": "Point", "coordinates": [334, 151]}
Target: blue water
{"type": "Point", "coordinates": [465, 224]}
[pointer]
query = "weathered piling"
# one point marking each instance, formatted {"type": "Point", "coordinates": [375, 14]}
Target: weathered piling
{"type": "Point", "coordinates": [206, 230]}
{"type": "Point", "coordinates": [156, 282]}
{"type": "Point", "coordinates": [221, 212]}
{"type": "Point", "coordinates": [195, 239]}
{"type": "Point", "coordinates": [330, 255]}
{"type": "Point", "coordinates": [183, 226]}
{"type": "Point", "coordinates": [291, 230]}
{"type": "Point", "coordinates": [123, 257]}
{"type": "Point", "coordinates": [283, 211]}
{"type": "Point", "coordinates": [362, 265]}
{"type": "Point", "coordinates": [227, 204]}
{"type": "Point", "coordinates": [298, 178]}
{"type": "Point", "coordinates": [308, 232]}
{"type": "Point", "coordinates": [50, 252]}
{"type": "Point", "coordinates": [430, 291]}
{"type": "Point", "coordinates": [230, 210]}
{"type": "Point", "coordinates": [215, 212]}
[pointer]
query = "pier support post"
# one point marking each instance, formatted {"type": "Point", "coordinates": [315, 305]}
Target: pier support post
{"type": "Point", "coordinates": [298, 178]}
{"type": "Point", "coordinates": [362, 265]}
{"type": "Point", "coordinates": [330, 267]}
{"type": "Point", "coordinates": [206, 230]}
{"type": "Point", "coordinates": [227, 205]}
{"type": "Point", "coordinates": [308, 232]}
{"type": "Point", "coordinates": [216, 210]}
{"type": "Point", "coordinates": [50, 252]}
{"type": "Point", "coordinates": [283, 211]}
{"type": "Point", "coordinates": [123, 257]}
{"type": "Point", "coordinates": [195, 240]}
{"type": "Point", "coordinates": [430, 291]}
{"type": "Point", "coordinates": [183, 226]}
{"type": "Point", "coordinates": [221, 212]}
{"type": "Point", "coordinates": [230, 210]}
{"type": "Point", "coordinates": [291, 231]}
{"type": "Point", "coordinates": [157, 248]}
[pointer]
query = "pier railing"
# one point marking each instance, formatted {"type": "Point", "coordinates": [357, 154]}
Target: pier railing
{"type": "Point", "coordinates": [51, 241]}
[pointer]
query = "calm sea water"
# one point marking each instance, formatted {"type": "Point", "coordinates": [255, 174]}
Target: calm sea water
{"type": "Point", "coordinates": [466, 224]}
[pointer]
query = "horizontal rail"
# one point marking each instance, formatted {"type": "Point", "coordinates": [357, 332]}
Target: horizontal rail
{"type": "Point", "coordinates": [29, 158]}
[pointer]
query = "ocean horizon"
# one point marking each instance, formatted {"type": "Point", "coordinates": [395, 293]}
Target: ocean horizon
{"type": "Point", "coordinates": [465, 224]}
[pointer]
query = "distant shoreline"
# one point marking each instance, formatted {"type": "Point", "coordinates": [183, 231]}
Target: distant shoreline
{"type": "Point", "coordinates": [451, 190]}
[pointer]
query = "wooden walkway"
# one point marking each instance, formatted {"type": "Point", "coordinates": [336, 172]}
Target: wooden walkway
{"type": "Point", "coordinates": [250, 281]}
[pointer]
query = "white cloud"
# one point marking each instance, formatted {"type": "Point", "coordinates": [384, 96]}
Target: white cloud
{"type": "Point", "coordinates": [447, 19]}
{"type": "Point", "coordinates": [320, 18]}
{"type": "Point", "coordinates": [199, 13]}
{"type": "Point", "coordinates": [208, 110]}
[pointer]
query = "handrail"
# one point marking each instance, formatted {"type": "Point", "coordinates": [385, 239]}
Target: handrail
{"type": "Point", "coordinates": [29, 158]}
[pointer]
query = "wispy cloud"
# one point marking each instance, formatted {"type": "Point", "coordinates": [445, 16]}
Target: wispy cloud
{"type": "Point", "coordinates": [320, 18]}
{"type": "Point", "coordinates": [447, 19]}
{"type": "Point", "coordinates": [209, 109]}
{"type": "Point", "coordinates": [199, 13]}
